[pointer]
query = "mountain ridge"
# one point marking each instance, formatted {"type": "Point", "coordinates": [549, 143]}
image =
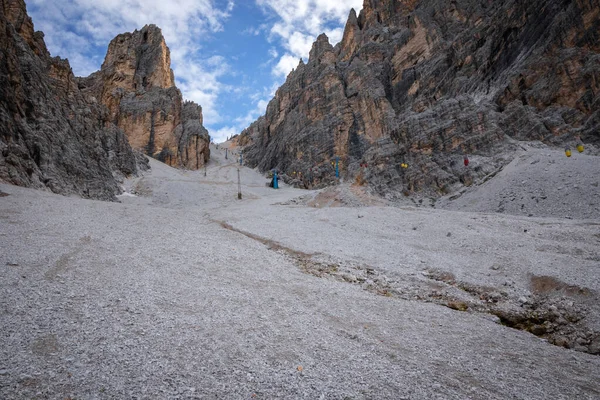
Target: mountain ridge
{"type": "Point", "coordinates": [427, 83]}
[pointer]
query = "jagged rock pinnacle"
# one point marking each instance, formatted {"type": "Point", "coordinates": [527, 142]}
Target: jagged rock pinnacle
{"type": "Point", "coordinates": [137, 85]}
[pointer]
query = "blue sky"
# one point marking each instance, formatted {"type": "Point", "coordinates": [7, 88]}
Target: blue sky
{"type": "Point", "coordinates": [230, 56]}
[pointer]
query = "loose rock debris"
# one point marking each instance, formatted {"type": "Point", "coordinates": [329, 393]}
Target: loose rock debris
{"type": "Point", "coordinates": [195, 310]}
{"type": "Point", "coordinates": [551, 312]}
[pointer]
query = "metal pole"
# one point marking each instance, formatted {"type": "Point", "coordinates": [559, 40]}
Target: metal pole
{"type": "Point", "coordinates": [239, 185]}
{"type": "Point", "coordinates": [226, 154]}
{"type": "Point", "coordinates": [241, 157]}
{"type": "Point", "coordinates": [337, 167]}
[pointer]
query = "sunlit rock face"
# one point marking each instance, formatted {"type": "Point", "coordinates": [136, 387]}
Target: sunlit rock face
{"type": "Point", "coordinates": [137, 86]}
{"type": "Point", "coordinates": [51, 135]}
{"type": "Point", "coordinates": [426, 83]}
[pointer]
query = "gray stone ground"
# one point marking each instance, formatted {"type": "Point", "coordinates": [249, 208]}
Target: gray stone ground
{"type": "Point", "coordinates": [539, 182]}
{"type": "Point", "coordinates": [183, 291]}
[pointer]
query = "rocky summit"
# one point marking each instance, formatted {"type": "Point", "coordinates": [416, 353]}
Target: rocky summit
{"type": "Point", "coordinates": [137, 86]}
{"type": "Point", "coordinates": [416, 88]}
{"type": "Point", "coordinates": [51, 135]}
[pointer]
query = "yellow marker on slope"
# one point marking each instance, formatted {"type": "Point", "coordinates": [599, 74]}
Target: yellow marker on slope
{"type": "Point", "coordinates": [568, 152]}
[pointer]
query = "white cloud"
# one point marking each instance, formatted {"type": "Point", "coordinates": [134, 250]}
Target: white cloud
{"type": "Point", "coordinates": [286, 63]}
{"type": "Point", "coordinates": [260, 101]}
{"type": "Point", "coordinates": [199, 80]}
{"type": "Point", "coordinates": [220, 135]}
{"type": "Point", "coordinates": [299, 22]}
{"type": "Point", "coordinates": [299, 43]}
{"type": "Point", "coordinates": [335, 35]}
{"type": "Point", "coordinates": [255, 31]}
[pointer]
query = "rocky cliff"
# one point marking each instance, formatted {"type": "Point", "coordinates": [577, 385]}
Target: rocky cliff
{"type": "Point", "coordinates": [51, 134]}
{"type": "Point", "coordinates": [426, 83]}
{"type": "Point", "coordinates": [137, 86]}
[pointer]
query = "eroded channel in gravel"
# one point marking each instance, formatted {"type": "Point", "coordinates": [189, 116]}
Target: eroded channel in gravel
{"type": "Point", "coordinates": [555, 311]}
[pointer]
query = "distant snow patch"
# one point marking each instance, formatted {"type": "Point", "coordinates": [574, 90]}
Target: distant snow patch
{"type": "Point", "coordinates": [126, 194]}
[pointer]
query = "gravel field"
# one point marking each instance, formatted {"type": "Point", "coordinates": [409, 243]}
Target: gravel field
{"type": "Point", "coordinates": [539, 182]}
{"type": "Point", "coordinates": [182, 291]}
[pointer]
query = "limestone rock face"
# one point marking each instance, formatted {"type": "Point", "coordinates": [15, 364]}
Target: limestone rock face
{"type": "Point", "coordinates": [425, 83]}
{"type": "Point", "coordinates": [51, 136]}
{"type": "Point", "coordinates": [137, 86]}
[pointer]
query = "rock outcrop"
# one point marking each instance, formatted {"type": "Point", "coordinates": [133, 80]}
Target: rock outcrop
{"type": "Point", "coordinates": [424, 83]}
{"type": "Point", "coordinates": [51, 136]}
{"type": "Point", "coordinates": [137, 86]}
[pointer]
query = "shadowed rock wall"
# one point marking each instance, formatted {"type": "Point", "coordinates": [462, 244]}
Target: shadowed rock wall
{"type": "Point", "coordinates": [51, 135]}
